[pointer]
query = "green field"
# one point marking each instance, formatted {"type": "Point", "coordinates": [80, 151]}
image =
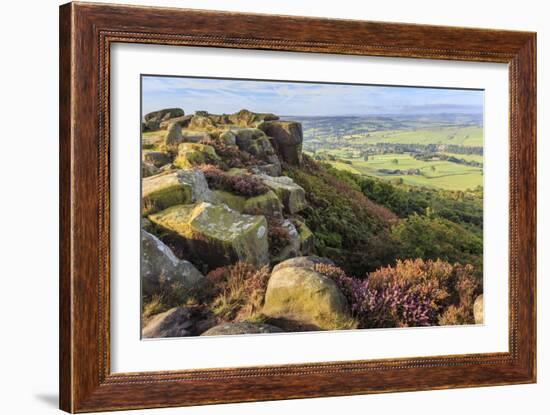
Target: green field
{"type": "Point", "coordinates": [433, 174]}
{"type": "Point", "coordinates": [465, 136]}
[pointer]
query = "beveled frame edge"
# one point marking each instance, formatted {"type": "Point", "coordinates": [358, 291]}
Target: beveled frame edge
{"type": "Point", "coordinates": [86, 33]}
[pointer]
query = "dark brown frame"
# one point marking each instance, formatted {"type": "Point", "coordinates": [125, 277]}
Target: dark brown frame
{"type": "Point", "coordinates": [86, 33]}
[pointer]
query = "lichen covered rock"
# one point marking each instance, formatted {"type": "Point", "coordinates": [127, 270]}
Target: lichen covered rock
{"type": "Point", "coordinates": [303, 295]}
{"type": "Point", "coordinates": [225, 329]}
{"type": "Point", "coordinates": [256, 143]}
{"type": "Point", "coordinates": [267, 204]}
{"type": "Point", "coordinates": [193, 154]}
{"type": "Point", "coordinates": [215, 234]}
{"type": "Point", "coordinates": [173, 188]}
{"type": "Point", "coordinates": [287, 139]}
{"type": "Point", "coordinates": [162, 271]}
{"type": "Point", "coordinates": [291, 195]}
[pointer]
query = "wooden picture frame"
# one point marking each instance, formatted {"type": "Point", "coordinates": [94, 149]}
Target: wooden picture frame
{"type": "Point", "coordinates": [86, 33]}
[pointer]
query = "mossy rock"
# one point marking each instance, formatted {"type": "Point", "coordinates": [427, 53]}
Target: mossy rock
{"type": "Point", "coordinates": [267, 204]}
{"type": "Point", "coordinates": [303, 295]}
{"type": "Point", "coordinates": [173, 188]}
{"type": "Point", "coordinates": [228, 137]}
{"type": "Point", "coordinates": [193, 154]}
{"type": "Point", "coordinates": [215, 234]}
{"type": "Point", "coordinates": [291, 195]}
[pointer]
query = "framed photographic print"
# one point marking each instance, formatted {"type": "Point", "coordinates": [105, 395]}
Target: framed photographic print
{"type": "Point", "coordinates": [260, 207]}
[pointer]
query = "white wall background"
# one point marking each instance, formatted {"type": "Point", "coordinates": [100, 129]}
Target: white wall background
{"type": "Point", "coordinates": [29, 208]}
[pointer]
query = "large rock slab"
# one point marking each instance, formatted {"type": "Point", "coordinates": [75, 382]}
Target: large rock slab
{"type": "Point", "coordinates": [174, 188]}
{"type": "Point", "coordinates": [478, 310]}
{"type": "Point", "coordinates": [267, 204]}
{"type": "Point", "coordinates": [307, 262]}
{"type": "Point", "coordinates": [291, 195]}
{"type": "Point", "coordinates": [287, 139]}
{"type": "Point", "coordinates": [162, 271]}
{"type": "Point", "coordinates": [215, 234]}
{"type": "Point", "coordinates": [303, 295]}
{"type": "Point", "coordinates": [226, 329]}
{"type": "Point", "coordinates": [175, 322]}
{"type": "Point", "coordinates": [193, 154]}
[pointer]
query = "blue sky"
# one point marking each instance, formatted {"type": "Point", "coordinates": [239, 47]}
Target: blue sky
{"type": "Point", "coordinates": [219, 96]}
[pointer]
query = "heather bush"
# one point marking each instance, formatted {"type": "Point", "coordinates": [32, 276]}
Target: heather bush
{"type": "Point", "coordinates": [238, 291]}
{"type": "Point", "coordinates": [413, 293]}
{"type": "Point", "coordinates": [277, 234]}
{"type": "Point", "coordinates": [349, 228]}
{"type": "Point", "coordinates": [232, 156]}
{"type": "Point", "coordinates": [244, 185]}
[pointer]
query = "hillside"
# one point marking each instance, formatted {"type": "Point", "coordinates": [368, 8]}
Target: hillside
{"type": "Point", "coordinates": [244, 233]}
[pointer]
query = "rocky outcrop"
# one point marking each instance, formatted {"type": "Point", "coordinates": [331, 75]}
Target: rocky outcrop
{"type": "Point", "coordinates": [303, 295]}
{"type": "Point", "coordinates": [193, 154]}
{"type": "Point", "coordinates": [162, 271]}
{"type": "Point", "coordinates": [153, 119]}
{"type": "Point", "coordinates": [173, 137]}
{"type": "Point", "coordinates": [291, 195]}
{"type": "Point", "coordinates": [256, 143]}
{"type": "Point", "coordinates": [478, 310]}
{"type": "Point", "coordinates": [287, 139]}
{"type": "Point", "coordinates": [156, 158]}
{"type": "Point", "coordinates": [216, 235]}
{"type": "Point", "coordinates": [225, 329]}
{"type": "Point", "coordinates": [173, 188]}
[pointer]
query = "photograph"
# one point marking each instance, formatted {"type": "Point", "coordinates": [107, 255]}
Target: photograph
{"type": "Point", "coordinates": [277, 206]}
